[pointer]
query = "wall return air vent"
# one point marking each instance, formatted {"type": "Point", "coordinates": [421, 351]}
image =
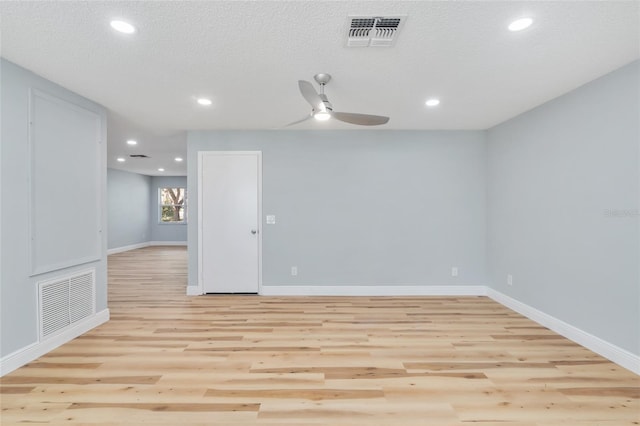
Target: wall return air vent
{"type": "Point", "coordinates": [374, 31]}
{"type": "Point", "coordinates": [64, 301]}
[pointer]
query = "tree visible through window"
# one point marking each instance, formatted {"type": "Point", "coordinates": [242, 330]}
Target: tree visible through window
{"type": "Point", "coordinates": [172, 205]}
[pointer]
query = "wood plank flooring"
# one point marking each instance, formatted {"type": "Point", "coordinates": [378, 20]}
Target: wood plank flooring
{"type": "Point", "coordinates": [168, 359]}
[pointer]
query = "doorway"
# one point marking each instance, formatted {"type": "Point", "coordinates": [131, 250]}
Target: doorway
{"type": "Point", "coordinates": [229, 212]}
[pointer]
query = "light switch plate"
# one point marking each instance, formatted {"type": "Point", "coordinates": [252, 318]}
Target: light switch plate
{"type": "Point", "coordinates": [271, 219]}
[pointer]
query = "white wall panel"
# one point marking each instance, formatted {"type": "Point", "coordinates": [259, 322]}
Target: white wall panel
{"type": "Point", "coordinates": [65, 216]}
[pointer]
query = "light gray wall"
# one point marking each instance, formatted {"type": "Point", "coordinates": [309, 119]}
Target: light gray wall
{"type": "Point", "coordinates": [129, 203]}
{"type": "Point", "coordinates": [168, 232]}
{"type": "Point", "coordinates": [18, 313]}
{"type": "Point", "coordinates": [363, 207]}
{"type": "Point", "coordinates": [563, 189]}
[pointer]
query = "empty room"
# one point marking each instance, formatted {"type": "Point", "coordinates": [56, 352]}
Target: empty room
{"type": "Point", "coordinates": [320, 212]}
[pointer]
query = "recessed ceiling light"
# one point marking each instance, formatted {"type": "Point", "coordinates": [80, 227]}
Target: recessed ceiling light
{"type": "Point", "coordinates": [204, 101]}
{"type": "Point", "coordinates": [120, 160]}
{"type": "Point", "coordinates": [520, 24]}
{"type": "Point", "coordinates": [132, 142]}
{"type": "Point", "coordinates": [178, 159]}
{"type": "Point", "coordinates": [432, 102]}
{"type": "Point", "coordinates": [322, 116]}
{"type": "Point", "coordinates": [160, 169]}
{"type": "Point", "coordinates": [123, 27]}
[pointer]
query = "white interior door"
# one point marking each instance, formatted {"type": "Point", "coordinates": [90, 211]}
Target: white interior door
{"type": "Point", "coordinates": [229, 199]}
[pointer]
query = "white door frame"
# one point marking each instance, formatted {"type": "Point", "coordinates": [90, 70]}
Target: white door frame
{"type": "Point", "coordinates": [201, 156]}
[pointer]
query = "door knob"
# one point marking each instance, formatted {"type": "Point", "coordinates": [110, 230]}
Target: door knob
{"type": "Point", "coordinates": [254, 232]}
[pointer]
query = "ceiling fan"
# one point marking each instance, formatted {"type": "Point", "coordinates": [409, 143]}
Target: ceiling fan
{"type": "Point", "coordinates": [321, 108]}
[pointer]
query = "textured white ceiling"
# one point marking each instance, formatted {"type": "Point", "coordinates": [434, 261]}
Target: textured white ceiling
{"type": "Point", "coordinates": [248, 56]}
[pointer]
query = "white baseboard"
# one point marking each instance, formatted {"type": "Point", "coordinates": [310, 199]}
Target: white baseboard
{"type": "Point", "coordinates": [193, 290]}
{"type": "Point", "coordinates": [608, 350]}
{"type": "Point", "coordinates": [145, 244]}
{"type": "Point", "coordinates": [373, 290]}
{"type": "Point", "coordinates": [29, 353]}
{"type": "Point", "coordinates": [167, 243]}
{"type": "Point", "coordinates": [127, 248]}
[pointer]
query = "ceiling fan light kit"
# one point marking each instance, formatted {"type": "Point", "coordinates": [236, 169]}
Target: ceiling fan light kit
{"type": "Point", "coordinates": [322, 116]}
{"type": "Point", "coordinates": [322, 109]}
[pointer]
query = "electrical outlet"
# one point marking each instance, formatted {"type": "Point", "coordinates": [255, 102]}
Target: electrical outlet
{"type": "Point", "coordinates": [294, 271]}
{"type": "Point", "coordinates": [454, 271]}
{"type": "Point", "coordinates": [510, 279]}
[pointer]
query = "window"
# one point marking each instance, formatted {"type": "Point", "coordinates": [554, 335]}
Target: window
{"type": "Point", "coordinates": [173, 207]}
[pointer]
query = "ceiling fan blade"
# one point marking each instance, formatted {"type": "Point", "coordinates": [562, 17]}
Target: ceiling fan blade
{"type": "Point", "coordinates": [361, 119]}
{"type": "Point", "coordinates": [310, 94]}
{"type": "Point", "coordinates": [299, 121]}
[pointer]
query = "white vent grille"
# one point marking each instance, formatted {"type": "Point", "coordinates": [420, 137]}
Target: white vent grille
{"type": "Point", "coordinates": [64, 301]}
{"type": "Point", "coordinates": [373, 31]}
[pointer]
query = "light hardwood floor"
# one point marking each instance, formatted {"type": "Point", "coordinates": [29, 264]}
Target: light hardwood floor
{"type": "Point", "coordinates": [165, 358]}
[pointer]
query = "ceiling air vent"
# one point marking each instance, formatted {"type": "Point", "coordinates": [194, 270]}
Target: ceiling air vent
{"type": "Point", "coordinates": [138, 156]}
{"type": "Point", "coordinates": [373, 31]}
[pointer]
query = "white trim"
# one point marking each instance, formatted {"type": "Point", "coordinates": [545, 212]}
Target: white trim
{"type": "Point", "coordinates": [612, 352]}
{"type": "Point", "coordinates": [259, 221]}
{"type": "Point", "coordinates": [373, 290]}
{"type": "Point", "coordinates": [193, 290]}
{"type": "Point", "coordinates": [200, 284]}
{"type": "Point", "coordinates": [127, 248]}
{"type": "Point", "coordinates": [145, 244]}
{"type": "Point", "coordinates": [608, 350]}
{"type": "Point", "coordinates": [167, 243]}
{"type": "Point", "coordinates": [33, 351]}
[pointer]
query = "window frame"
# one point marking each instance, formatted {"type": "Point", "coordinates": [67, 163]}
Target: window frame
{"type": "Point", "coordinates": [161, 205]}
